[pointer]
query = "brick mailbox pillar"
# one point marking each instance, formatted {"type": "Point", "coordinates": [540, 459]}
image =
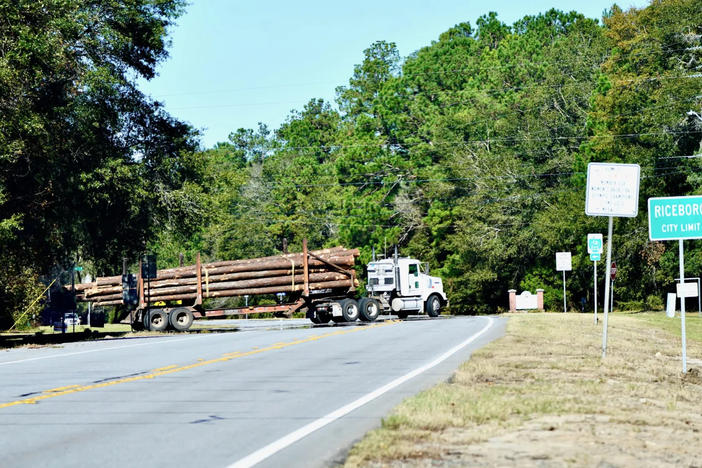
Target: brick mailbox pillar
{"type": "Point", "coordinates": [540, 299]}
{"type": "Point", "coordinates": [512, 300]}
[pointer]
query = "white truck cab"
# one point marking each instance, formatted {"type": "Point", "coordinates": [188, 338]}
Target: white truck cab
{"type": "Point", "coordinates": [403, 287]}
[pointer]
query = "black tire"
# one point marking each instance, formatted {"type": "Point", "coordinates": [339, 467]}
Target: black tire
{"type": "Point", "coordinates": [181, 318]}
{"type": "Point", "coordinates": [138, 325]}
{"type": "Point", "coordinates": [320, 317]}
{"type": "Point", "coordinates": [157, 320]}
{"type": "Point", "coordinates": [144, 321]}
{"type": "Point", "coordinates": [350, 310]}
{"type": "Point", "coordinates": [433, 306]}
{"type": "Point", "coordinates": [369, 309]}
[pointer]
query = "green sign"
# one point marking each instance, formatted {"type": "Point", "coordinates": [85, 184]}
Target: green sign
{"type": "Point", "coordinates": [595, 257]}
{"type": "Point", "coordinates": [673, 218]}
{"type": "Point", "coordinates": [78, 268]}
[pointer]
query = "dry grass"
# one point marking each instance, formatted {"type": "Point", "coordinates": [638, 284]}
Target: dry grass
{"type": "Point", "coordinates": [542, 396]}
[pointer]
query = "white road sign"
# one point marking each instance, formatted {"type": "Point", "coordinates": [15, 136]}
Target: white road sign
{"type": "Point", "coordinates": [563, 261]}
{"type": "Point", "coordinates": [670, 305]}
{"type": "Point", "coordinates": [686, 289]}
{"type": "Point", "coordinates": [612, 190]}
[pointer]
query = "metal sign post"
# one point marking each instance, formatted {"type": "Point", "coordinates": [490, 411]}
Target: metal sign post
{"type": "Point", "coordinates": [594, 282]}
{"type": "Point", "coordinates": [612, 190]}
{"type": "Point", "coordinates": [613, 274]}
{"type": "Point", "coordinates": [564, 263]}
{"type": "Point", "coordinates": [682, 307]}
{"type": "Point", "coordinates": [564, 294]}
{"type": "Point", "coordinates": [676, 218]}
{"type": "Point", "coordinates": [594, 248]}
{"type": "Point", "coordinates": [607, 286]}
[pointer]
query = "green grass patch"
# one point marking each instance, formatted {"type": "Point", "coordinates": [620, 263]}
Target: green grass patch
{"type": "Point", "coordinates": [693, 323]}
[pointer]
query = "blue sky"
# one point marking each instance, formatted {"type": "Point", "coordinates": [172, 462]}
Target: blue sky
{"type": "Point", "coordinates": [233, 64]}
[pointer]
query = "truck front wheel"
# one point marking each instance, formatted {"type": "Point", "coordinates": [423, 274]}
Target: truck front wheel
{"type": "Point", "coordinates": [433, 306]}
{"type": "Point", "coordinates": [369, 309]}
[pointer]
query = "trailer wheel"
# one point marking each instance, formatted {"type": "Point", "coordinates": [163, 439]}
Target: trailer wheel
{"type": "Point", "coordinates": [157, 320]}
{"type": "Point", "coordinates": [349, 309]}
{"type": "Point", "coordinates": [369, 309]}
{"type": "Point", "coordinates": [181, 318]}
{"type": "Point", "coordinates": [433, 306]}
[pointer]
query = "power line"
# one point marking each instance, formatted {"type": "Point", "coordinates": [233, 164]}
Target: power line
{"type": "Point", "coordinates": [596, 62]}
{"type": "Point", "coordinates": [420, 181]}
{"type": "Point", "coordinates": [389, 183]}
{"type": "Point", "coordinates": [385, 145]}
{"type": "Point", "coordinates": [691, 156]}
{"type": "Point", "coordinates": [485, 91]}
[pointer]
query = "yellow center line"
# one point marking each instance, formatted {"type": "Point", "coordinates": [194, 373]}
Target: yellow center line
{"type": "Point", "coordinates": [60, 389]}
{"type": "Point", "coordinates": [164, 368]}
{"type": "Point", "coordinates": [67, 390]}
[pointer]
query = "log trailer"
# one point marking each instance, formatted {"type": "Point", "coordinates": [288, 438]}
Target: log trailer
{"type": "Point", "coordinates": [321, 283]}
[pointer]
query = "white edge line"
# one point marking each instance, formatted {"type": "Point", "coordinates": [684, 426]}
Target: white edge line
{"type": "Point", "coordinates": [274, 447]}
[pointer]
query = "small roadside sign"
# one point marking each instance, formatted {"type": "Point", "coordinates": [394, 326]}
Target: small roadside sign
{"type": "Point", "coordinates": [594, 257]}
{"type": "Point", "coordinates": [686, 289]}
{"type": "Point", "coordinates": [674, 218]}
{"type": "Point", "coordinates": [77, 268]}
{"type": "Point", "coordinates": [670, 305]}
{"type": "Point", "coordinates": [563, 261]}
{"type": "Point", "coordinates": [594, 243]}
{"type": "Point", "coordinates": [613, 271]}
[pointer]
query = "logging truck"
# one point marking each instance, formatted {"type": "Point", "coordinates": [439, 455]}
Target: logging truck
{"type": "Point", "coordinates": [322, 283]}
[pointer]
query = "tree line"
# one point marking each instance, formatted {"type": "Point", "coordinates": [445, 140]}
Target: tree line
{"type": "Point", "coordinates": [470, 154]}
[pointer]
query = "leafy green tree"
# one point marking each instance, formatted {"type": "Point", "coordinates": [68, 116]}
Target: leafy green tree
{"type": "Point", "coordinates": [241, 196]}
{"type": "Point", "coordinates": [645, 112]}
{"type": "Point", "coordinates": [471, 154]}
{"type": "Point", "coordinates": [89, 167]}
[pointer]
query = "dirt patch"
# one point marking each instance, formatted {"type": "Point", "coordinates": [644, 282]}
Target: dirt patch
{"type": "Point", "coordinates": [543, 396]}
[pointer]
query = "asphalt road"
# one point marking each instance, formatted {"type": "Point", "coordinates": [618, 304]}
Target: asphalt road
{"type": "Point", "coordinates": [265, 396]}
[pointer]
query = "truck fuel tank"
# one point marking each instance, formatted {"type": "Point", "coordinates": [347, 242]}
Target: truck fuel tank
{"type": "Point", "coordinates": [399, 303]}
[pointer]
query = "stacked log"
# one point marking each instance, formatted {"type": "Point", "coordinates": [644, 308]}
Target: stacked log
{"type": "Point", "coordinates": [328, 269]}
